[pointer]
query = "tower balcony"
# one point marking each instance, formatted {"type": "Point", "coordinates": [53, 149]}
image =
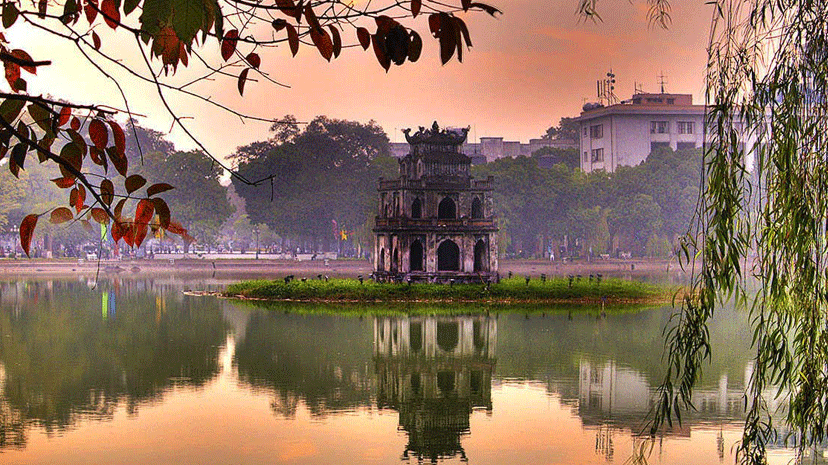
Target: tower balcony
{"type": "Point", "coordinates": [435, 224]}
{"type": "Point", "coordinates": [448, 183]}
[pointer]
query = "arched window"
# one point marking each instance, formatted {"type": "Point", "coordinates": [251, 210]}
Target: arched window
{"type": "Point", "coordinates": [447, 209]}
{"type": "Point", "coordinates": [416, 208]}
{"type": "Point", "coordinates": [381, 260]}
{"type": "Point", "coordinates": [477, 208]}
{"type": "Point", "coordinates": [448, 256]}
{"type": "Point", "coordinates": [395, 260]}
{"type": "Point", "coordinates": [481, 259]}
{"type": "Point", "coordinates": [416, 256]}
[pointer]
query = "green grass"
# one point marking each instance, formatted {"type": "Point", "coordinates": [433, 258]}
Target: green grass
{"type": "Point", "coordinates": [508, 291]}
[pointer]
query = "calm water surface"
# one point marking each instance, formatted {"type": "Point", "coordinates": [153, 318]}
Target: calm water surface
{"type": "Point", "coordinates": [135, 372]}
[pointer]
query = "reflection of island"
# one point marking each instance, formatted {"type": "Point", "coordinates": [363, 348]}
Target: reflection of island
{"type": "Point", "coordinates": [434, 371]}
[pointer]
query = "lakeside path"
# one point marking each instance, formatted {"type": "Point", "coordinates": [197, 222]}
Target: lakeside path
{"type": "Point", "coordinates": [275, 269]}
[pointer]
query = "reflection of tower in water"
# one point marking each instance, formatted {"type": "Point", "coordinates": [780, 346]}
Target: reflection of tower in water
{"type": "Point", "coordinates": [434, 371]}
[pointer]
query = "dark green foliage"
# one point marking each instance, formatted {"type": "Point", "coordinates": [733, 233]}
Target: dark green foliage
{"type": "Point", "coordinates": [638, 205]}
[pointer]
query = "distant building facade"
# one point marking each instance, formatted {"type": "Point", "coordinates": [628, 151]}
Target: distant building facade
{"type": "Point", "coordinates": [625, 133]}
{"type": "Point", "coordinates": [435, 222]}
{"type": "Point", "coordinates": [489, 149]}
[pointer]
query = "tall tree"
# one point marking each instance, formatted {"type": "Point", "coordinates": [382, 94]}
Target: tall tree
{"type": "Point", "coordinates": [325, 174]}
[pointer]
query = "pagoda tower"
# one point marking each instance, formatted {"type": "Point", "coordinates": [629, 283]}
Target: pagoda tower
{"type": "Point", "coordinates": [435, 222]}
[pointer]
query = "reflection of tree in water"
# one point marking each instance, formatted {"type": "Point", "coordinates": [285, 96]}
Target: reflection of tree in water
{"type": "Point", "coordinates": [318, 360]}
{"type": "Point", "coordinates": [70, 353]}
{"type": "Point", "coordinates": [434, 371]}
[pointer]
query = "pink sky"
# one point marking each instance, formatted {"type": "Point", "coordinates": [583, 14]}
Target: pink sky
{"type": "Point", "coordinates": [529, 67]}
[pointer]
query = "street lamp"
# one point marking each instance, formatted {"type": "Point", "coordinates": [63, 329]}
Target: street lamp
{"type": "Point", "coordinates": [256, 230]}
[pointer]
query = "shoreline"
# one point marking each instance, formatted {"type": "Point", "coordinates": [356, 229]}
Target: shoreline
{"type": "Point", "coordinates": [242, 268]}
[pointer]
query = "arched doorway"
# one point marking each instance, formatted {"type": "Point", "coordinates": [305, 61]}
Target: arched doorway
{"type": "Point", "coordinates": [381, 260]}
{"type": "Point", "coordinates": [448, 335]}
{"type": "Point", "coordinates": [448, 256]}
{"type": "Point", "coordinates": [395, 260]}
{"type": "Point", "coordinates": [417, 208]}
{"type": "Point", "coordinates": [477, 208]}
{"type": "Point", "coordinates": [416, 256]}
{"type": "Point", "coordinates": [481, 262]}
{"type": "Point", "coordinates": [447, 210]}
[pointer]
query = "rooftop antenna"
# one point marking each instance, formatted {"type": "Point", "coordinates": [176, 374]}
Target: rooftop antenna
{"type": "Point", "coordinates": [662, 79]}
{"type": "Point", "coordinates": [638, 88]}
{"type": "Point", "coordinates": [606, 89]}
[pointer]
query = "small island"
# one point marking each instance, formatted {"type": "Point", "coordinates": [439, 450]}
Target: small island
{"type": "Point", "coordinates": [579, 290]}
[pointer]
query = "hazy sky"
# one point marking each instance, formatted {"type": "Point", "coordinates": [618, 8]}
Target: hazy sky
{"type": "Point", "coordinates": [529, 67]}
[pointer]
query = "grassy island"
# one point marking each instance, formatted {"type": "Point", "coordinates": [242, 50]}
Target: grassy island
{"type": "Point", "coordinates": [508, 291]}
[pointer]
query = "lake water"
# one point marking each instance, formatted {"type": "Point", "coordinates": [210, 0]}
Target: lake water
{"type": "Point", "coordinates": [136, 372]}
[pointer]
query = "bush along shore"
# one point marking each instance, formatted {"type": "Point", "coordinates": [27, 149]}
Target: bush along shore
{"type": "Point", "coordinates": [516, 290]}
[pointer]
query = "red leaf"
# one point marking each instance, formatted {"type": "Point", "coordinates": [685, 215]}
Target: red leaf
{"type": "Point", "coordinates": [415, 47]}
{"type": "Point", "coordinates": [118, 137]}
{"type": "Point", "coordinates": [110, 13]}
{"type": "Point", "coordinates": [128, 230]}
{"type": "Point", "coordinates": [278, 24]}
{"type": "Point", "coordinates": [242, 80]}
{"type": "Point", "coordinates": [41, 8]}
{"type": "Point", "coordinates": [379, 51]}
{"type": "Point", "coordinates": [415, 7]}
{"type": "Point", "coordinates": [337, 41]}
{"type": "Point", "coordinates": [65, 114]}
{"type": "Point", "coordinates": [434, 20]}
{"type": "Point", "coordinates": [99, 215]}
{"type": "Point", "coordinates": [12, 73]}
{"type": "Point", "coordinates": [228, 44]}
{"type": "Point", "coordinates": [91, 10]}
{"type": "Point", "coordinates": [134, 182]}
{"type": "Point", "coordinates": [144, 212]}
{"type": "Point", "coordinates": [116, 232]}
{"type": "Point", "coordinates": [75, 125]}
{"type": "Point", "coordinates": [22, 55]}
{"type": "Point", "coordinates": [313, 22]}
{"type": "Point", "coordinates": [80, 199]}
{"type": "Point", "coordinates": [487, 8]}
{"type": "Point", "coordinates": [176, 228]}
{"type": "Point", "coordinates": [158, 188]}
{"type": "Point", "coordinates": [163, 212]}
{"type": "Point", "coordinates": [96, 40]}
{"type": "Point", "coordinates": [64, 183]}
{"type": "Point", "coordinates": [61, 215]}
{"type": "Point", "coordinates": [465, 4]}
{"type": "Point", "coordinates": [254, 60]}
{"type": "Point", "coordinates": [139, 232]}
{"type": "Point", "coordinates": [27, 227]}
{"type": "Point", "coordinates": [364, 37]}
{"type": "Point", "coordinates": [323, 43]}
{"type": "Point", "coordinates": [107, 191]}
{"type": "Point", "coordinates": [293, 39]}
{"type": "Point", "coordinates": [98, 133]}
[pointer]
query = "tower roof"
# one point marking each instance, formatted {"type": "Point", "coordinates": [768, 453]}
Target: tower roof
{"type": "Point", "coordinates": [437, 136]}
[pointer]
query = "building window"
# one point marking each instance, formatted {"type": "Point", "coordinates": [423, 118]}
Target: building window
{"type": "Point", "coordinates": [586, 156]}
{"type": "Point", "coordinates": [597, 155]}
{"type": "Point", "coordinates": [671, 101]}
{"type": "Point", "coordinates": [596, 131]}
{"type": "Point", "coordinates": [585, 131]}
{"type": "Point", "coordinates": [659, 127]}
{"type": "Point", "coordinates": [685, 127]}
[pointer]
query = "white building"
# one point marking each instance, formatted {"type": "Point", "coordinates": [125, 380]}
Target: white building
{"type": "Point", "coordinates": [625, 133]}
